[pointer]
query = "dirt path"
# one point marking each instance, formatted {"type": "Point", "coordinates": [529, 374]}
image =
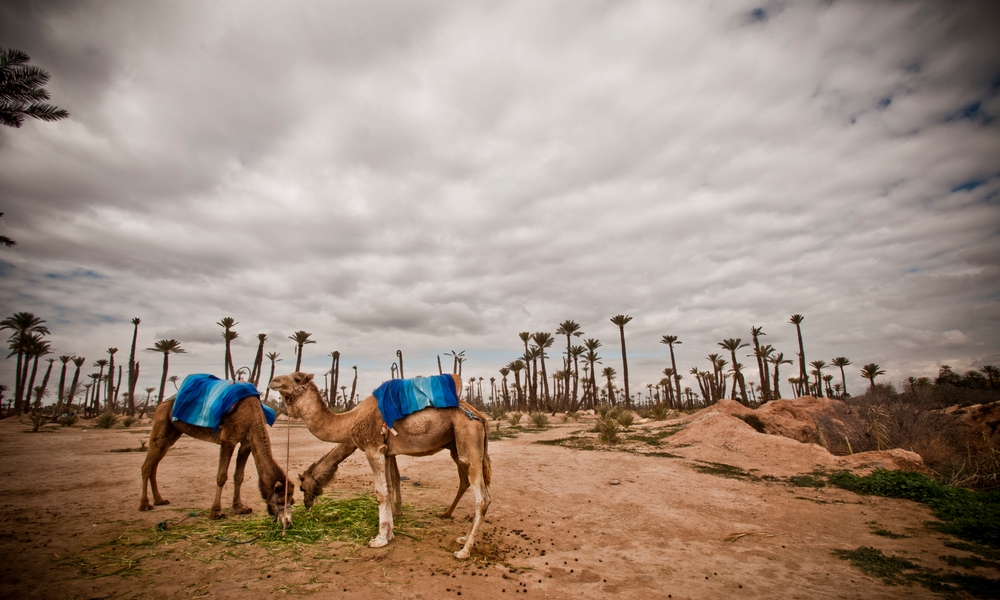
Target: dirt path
{"type": "Point", "coordinates": [557, 528]}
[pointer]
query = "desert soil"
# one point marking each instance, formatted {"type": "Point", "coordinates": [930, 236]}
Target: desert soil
{"type": "Point", "coordinates": [559, 525]}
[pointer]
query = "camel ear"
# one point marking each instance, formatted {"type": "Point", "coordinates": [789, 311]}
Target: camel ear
{"type": "Point", "coordinates": [309, 378]}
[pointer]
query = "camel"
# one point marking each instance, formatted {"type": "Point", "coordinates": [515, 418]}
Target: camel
{"type": "Point", "coordinates": [419, 434]}
{"type": "Point", "coordinates": [321, 472]}
{"type": "Point", "coordinates": [244, 425]}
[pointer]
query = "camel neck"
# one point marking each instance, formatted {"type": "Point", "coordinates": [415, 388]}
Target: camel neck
{"type": "Point", "coordinates": [268, 470]}
{"type": "Point", "coordinates": [320, 420]}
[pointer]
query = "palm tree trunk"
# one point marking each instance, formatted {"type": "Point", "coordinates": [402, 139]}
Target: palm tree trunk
{"type": "Point", "coordinates": [628, 398]}
{"type": "Point", "coordinates": [677, 376]}
{"type": "Point", "coordinates": [31, 384]}
{"type": "Point", "coordinates": [133, 370]}
{"type": "Point", "coordinates": [802, 356]}
{"type": "Point", "coordinates": [72, 387]}
{"type": "Point", "coordinates": [163, 378]}
{"type": "Point", "coordinates": [44, 386]}
{"type": "Point", "coordinates": [18, 383]}
{"type": "Point", "coordinates": [61, 391]}
{"type": "Point", "coordinates": [843, 383]}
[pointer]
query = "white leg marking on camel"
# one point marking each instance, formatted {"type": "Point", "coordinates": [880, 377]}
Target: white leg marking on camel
{"type": "Point", "coordinates": [377, 461]}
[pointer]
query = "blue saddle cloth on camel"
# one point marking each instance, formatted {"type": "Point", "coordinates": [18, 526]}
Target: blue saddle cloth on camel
{"type": "Point", "coordinates": [400, 397]}
{"type": "Point", "coordinates": [203, 400]}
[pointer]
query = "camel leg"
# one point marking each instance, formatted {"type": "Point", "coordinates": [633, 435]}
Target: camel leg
{"type": "Point", "coordinates": [225, 455]}
{"type": "Point", "coordinates": [463, 484]}
{"type": "Point", "coordinates": [475, 457]}
{"type": "Point", "coordinates": [377, 461]}
{"type": "Point", "coordinates": [241, 462]}
{"type": "Point", "coordinates": [161, 438]}
{"type": "Point", "coordinates": [395, 485]}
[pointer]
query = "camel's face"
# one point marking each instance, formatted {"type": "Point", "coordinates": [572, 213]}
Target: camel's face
{"type": "Point", "coordinates": [278, 507]}
{"type": "Point", "coordinates": [284, 384]}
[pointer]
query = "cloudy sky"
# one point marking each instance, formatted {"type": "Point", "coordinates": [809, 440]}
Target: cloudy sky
{"type": "Point", "coordinates": [437, 176]}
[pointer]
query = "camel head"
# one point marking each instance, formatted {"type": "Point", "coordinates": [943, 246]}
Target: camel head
{"type": "Point", "coordinates": [310, 488]}
{"type": "Point", "coordinates": [288, 385]}
{"type": "Point", "coordinates": [277, 506]}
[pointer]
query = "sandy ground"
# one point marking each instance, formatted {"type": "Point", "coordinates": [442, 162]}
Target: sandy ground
{"type": "Point", "coordinates": [557, 528]}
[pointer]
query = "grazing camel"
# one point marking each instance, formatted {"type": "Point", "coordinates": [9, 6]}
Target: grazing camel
{"type": "Point", "coordinates": [419, 434]}
{"type": "Point", "coordinates": [321, 472]}
{"type": "Point", "coordinates": [244, 425]}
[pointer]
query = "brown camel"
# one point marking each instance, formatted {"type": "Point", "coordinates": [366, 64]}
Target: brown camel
{"type": "Point", "coordinates": [321, 472]}
{"type": "Point", "coordinates": [419, 434]}
{"type": "Point", "coordinates": [244, 425]}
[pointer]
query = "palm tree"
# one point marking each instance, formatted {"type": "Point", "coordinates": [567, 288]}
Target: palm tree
{"type": "Point", "coordinates": [166, 347]}
{"type": "Point", "coordinates": [765, 387]}
{"type": "Point", "coordinates": [609, 373]}
{"type": "Point", "coordinates": [734, 344]}
{"type": "Point", "coordinates": [457, 359]}
{"type": "Point", "coordinates": [842, 361]}
{"type": "Point", "coordinates": [102, 362]}
{"type": "Point", "coordinates": [576, 351]}
{"type": "Point", "coordinates": [516, 366]}
{"type": "Point", "coordinates": [570, 329]}
{"type": "Point", "coordinates": [110, 403]}
{"type": "Point", "coordinates": [504, 372]}
{"type": "Point", "coordinates": [543, 340]}
{"type": "Point", "coordinates": [174, 379]}
{"type": "Point", "coordinates": [525, 337]}
{"type": "Point", "coordinates": [40, 391]}
{"type": "Point", "coordinates": [301, 338]}
{"type": "Point", "coordinates": [777, 360]}
{"type": "Point", "coordinates": [531, 378]}
{"type": "Point", "coordinates": [64, 359]}
{"type": "Point", "coordinates": [870, 372]}
{"type": "Point", "coordinates": [621, 321]}
{"type": "Point", "coordinates": [991, 372]}
{"type": "Point", "coordinates": [670, 340]}
{"type": "Point", "coordinates": [21, 324]}
{"type": "Point", "coordinates": [591, 358]}
{"type": "Point", "coordinates": [227, 324]}
{"type": "Point", "coordinates": [818, 365]}
{"type": "Point", "coordinates": [21, 91]}
{"type": "Point", "coordinates": [827, 379]}
{"type": "Point", "coordinates": [273, 357]}
{"type": "Point", "coordinates": [354, 386]}
{"type": "Point", "coordinates": [796, 320]}
{"type": "Point", "coordinates": [399, 355]}
{"type": "Point", "coordinates": [335, 375]}
{"type": "Point", "coordinates": [133, 369]}
{"type": "Point", "coordinates": [78, 362]}
{"type": "Point", "coordinates": [258, 359]}
{"type": "Point", "coordinates": [149, 392]}
{"type": "Point", "coordinates": [34, 347]}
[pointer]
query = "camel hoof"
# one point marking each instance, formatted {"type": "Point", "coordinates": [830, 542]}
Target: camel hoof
{"type": "Point", "coordinates": [444, 515]}
{"type": "Point", "coordinates": [215, 516]}
{"type": "Point", "coordinates": [145, 507]}
{"type": "Point", "coordinates": [161, 502]}
{"type": "Point", "coordinates": [461, 540]}
{"type": "Point", "coordinates": [242, 510]}
{"type": "Point", "coordinates": [378, 543]}
{"type": "Point", "coordinates": [462, 554]}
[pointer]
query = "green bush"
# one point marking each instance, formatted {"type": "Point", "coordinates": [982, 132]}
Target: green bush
{"type": "Point", "coordinates": [514, 418]}
{"type": "Point", "coordinates": [106, 420]}
{"type": "Point", "coordinates": [970, 515]}
{"type": "Point", "coordinates": [129, 421]}
{"type": "Point", "coordinates": [625, 419]}
{"type": "Point", "coordinates": [573, 415]}
{"type": "Point", "coordinates": [498, 412]}
{"type": "Point", "coordinates": [68, 420]}
{"type": "Point", "coordinates": [539, 420]}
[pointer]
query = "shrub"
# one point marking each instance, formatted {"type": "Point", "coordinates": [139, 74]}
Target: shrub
{"type": "Point", "coordinates": [539, 420]}
{"type": "Point", "coordinates": [514, 418]}
{"type": "Point", "coordinates": [607, 428]}
{"type": "Point", "coordinates": [68, 420]}
{"type": "Point", "coordinates": [106, 420]}
{"type": "Point", "coordinates": [625, 419]}
{"type": "Point", "coordinates": [573, 415]}
{"type": "Point", "coordinates": [659, 412]}
{"type": "Point", "coordinates": [754, 421]}
{"type": "Point", "coordinates": [129, 421]}
{"type": "Point", "coordinates": [37, 420]}
{"type": "Point", "coordinates": [564, 417]}
{"type": "Point", "coordinates": [498, 412]}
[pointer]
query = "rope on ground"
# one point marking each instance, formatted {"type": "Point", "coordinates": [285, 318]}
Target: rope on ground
{"type": "Point", "coordinates": [222, 539]}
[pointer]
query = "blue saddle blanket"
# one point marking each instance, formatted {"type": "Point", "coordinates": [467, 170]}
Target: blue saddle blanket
{"type": "Point", "coordinates": [400, 397]}
{"type": "Point", "coordinates": [203, 400]}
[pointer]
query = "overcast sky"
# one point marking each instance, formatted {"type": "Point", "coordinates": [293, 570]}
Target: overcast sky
{"type": "Point", "coordinates": [437, 176]}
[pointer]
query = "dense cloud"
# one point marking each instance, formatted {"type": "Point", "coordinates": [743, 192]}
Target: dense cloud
{"type": "Point", "coordinates": [439, 176]}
